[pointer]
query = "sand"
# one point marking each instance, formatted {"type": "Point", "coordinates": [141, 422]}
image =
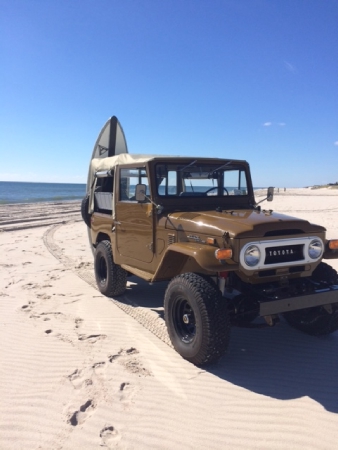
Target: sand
{"type": "Point", "coordinates": [80, 371]}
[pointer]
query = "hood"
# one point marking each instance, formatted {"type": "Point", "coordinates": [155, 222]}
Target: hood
{"type": "Point", "coordinates": [239, 223]}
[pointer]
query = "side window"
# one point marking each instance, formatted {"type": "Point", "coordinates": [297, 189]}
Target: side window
{"type": "Point", "coordinates": [235, 182]}
{"type": "Point", "coordinates": [105, 184]}
{"type": "Point", "coordinates": [129, 178]}
{"type": "Point", "coordinates": [166, 180]}
{"type": "Point", "coordinates": [144, 180]}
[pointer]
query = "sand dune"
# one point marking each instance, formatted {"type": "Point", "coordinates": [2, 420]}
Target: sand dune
{"type": "Point", "coordinates": [80, 371]}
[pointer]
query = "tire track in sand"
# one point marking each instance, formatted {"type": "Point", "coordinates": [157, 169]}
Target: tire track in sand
{"type": "Point", "coordinates": [153, 323]}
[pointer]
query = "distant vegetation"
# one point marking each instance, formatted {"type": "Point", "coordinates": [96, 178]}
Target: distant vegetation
{"type": "Point", "coordinates": [329, 185]}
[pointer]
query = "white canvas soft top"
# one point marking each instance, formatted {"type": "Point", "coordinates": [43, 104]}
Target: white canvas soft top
{"type": "Point", "coordinates": [99, 164]}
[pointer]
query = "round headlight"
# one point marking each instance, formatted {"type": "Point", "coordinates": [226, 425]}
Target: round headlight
{"type": "Point", "coordinates": [252, 255]}
{"type": "Point", "coordinates": [315, 248]}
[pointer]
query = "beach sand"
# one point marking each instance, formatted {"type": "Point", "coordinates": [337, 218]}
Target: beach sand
{"type": "Point", "coordinates": [81, 371]}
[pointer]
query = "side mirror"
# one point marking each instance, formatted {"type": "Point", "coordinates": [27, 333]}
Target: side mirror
{"type": "Point", "coordinates": [270, 194]}
{"type": "Point", "coordinates": [140, 192]}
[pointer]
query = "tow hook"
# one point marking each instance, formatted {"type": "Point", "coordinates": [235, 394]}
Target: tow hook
{"type": "Point", "coordinates": [271, 320]}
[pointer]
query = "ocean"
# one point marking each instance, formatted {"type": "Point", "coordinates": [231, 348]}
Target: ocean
{"type": "Point", "coordinates": [25, 192]}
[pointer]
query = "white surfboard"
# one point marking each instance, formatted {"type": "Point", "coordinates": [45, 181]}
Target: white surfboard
{"type": "Point", "coordinates": [111, 141]}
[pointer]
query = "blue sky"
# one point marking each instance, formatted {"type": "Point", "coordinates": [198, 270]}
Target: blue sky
{"type": "Point", "coordinates": [247, 79]}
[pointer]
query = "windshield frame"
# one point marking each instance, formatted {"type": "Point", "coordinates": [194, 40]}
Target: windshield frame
{"type": "Point", "coordinates": [201, 178]}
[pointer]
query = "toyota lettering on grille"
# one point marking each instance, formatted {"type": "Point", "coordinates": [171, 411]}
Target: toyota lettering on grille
{"type": "Point", "coordinates": [287, 253]}
{"type": "Point", "coordinates": [280, 252]}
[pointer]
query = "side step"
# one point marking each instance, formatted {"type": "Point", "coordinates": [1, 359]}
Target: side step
{"type": "Point", "coordinates": [138, 272]}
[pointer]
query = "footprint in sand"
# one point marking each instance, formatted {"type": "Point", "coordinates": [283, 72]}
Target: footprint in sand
{"type": "Point", "coordinates": [54, 277]}
{"type": "Point", "coordinates": [78, 379]}
{"type": "Point", "coordinates": [92, 338]}
{"type": "Point", "coordinates": [31, 286]}
{"type": "Point", "coordinates": [134, 366]}
{"type": "Point", "coordinates": [43, 296]}
{"type": "Point", "coordinates": [82, 414]}
{"type": "Point", "coordinates": [130, 362]}
{"type": "Point", "coordinates": [123, 352]}
{"type": "Point", "coordinates": [109, 436]}
{"type": "Point", "coordinates": [84, 377]}
{"type": "Point", "coordinates": [127, 393]}
{"type": "Point", "coordinates": [78, 322]}
{"type": "Point", "coordinates": [57, 313]}
{"type": "Point", "coordinates": [83, 265]}
{"type": "Point", "coordinates": [13, 282]}
{"type": "Point", "coordinates": [99, 368]}
{"type": "Point", "coordinates": [29, 308]}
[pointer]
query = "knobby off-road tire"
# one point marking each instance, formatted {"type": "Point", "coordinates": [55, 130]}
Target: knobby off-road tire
{"type": "Point", "coordinates": [86, 217]}
{"type": "Point", "coordinates": [197, 318]}
{"type": "Point", "coordinates": [111, 279]}
{"type": "Point", "coordinates": [317, 321]}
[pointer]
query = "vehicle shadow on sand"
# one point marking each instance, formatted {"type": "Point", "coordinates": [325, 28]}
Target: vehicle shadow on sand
{"type": "Point", "coordinates": [282, 363]}
{"type": "Point", "coordinates": [141, 293]}
{"type": "Point", "coordinates": [277, 362]}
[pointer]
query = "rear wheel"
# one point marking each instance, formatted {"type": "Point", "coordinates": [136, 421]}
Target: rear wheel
{"type": "Point", "coordinates": [86, 217]}
{"type": "Point", "coordinates": [319, 320]}
{"type": "Point", "coordinates": [111, 279]}
{"type": "Point", "coordinates": [197, 318]}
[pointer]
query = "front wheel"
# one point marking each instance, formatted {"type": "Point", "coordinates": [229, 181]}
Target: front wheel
{"type": "Point", "coordinates": [320, 320]}
{"type": "Point", "coordinates": [111, 279]}
{"type": "Point", "coordinates": [197, 318]}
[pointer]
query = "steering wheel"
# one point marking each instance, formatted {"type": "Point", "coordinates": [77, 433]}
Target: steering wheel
{"type": "Point", "coordinates": [216, 187]}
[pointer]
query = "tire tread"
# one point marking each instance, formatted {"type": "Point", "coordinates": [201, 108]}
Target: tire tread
{"type": "Point", "coordinates": [116, 276]}
{"type": "Point", "coordinates": [214, 314]}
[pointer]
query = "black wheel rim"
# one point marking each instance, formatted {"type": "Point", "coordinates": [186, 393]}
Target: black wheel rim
{"type": "Point", "coordinates": [102, 270]}
{"type": "Point", "coordinates": [184, 321]}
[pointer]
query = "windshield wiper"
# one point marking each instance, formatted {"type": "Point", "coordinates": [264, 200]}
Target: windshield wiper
{"type": "Point", "coordinates": [219, 168]}
{"type": "Point", "coordinates": [193, 162]}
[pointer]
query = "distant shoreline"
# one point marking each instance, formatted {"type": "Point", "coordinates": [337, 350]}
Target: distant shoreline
{"type": "Point", "coordinates": [38, 202]}
{"type": "Point", "coordinates": [20, 216]}
{"type": "Point", "coordinates": [42, 182]}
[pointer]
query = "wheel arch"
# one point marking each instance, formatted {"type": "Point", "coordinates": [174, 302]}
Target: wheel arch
{"type": "Point", "coordinates": [184, 257]}
{"type": "Point", "coordinates": [102, 237]}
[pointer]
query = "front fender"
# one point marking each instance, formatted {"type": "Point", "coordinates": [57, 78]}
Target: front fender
{"type": "Point", "coordinates": [182, 257]}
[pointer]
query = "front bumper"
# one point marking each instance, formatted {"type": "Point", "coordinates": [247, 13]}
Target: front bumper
{"type": "Point", "coordinates": [268, 306]}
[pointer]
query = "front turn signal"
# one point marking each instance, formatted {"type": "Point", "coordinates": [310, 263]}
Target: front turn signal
{"type": "Point", "coordinates": [333, 245]}
{"type": "Point", "coordinates": [223, 253]}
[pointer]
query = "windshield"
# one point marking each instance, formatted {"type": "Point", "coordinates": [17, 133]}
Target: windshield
{"type": "Point", "coordinates": [201, 179]}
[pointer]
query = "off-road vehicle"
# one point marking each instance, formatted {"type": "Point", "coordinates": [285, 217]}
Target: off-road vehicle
{"type": "Point", "coordinates": [194, 222]}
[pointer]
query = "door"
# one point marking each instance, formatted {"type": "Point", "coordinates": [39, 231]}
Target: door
{"type": "Point", "coordinates": [134, 220]}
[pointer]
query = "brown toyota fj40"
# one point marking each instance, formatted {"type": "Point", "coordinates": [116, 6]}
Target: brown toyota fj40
{"type": "Point", "coordinates": [194, 222]}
